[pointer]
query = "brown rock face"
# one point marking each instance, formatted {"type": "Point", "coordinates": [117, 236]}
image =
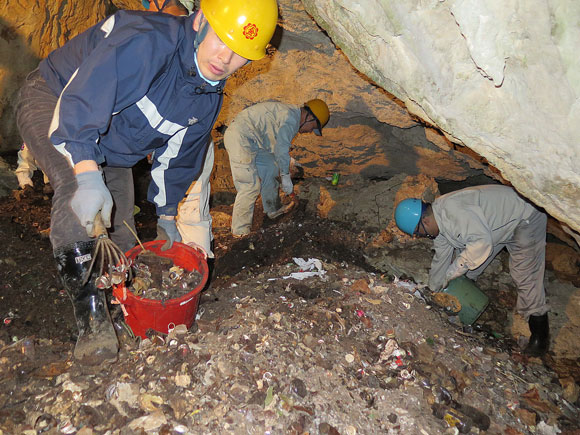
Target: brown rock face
{"type": "Point", "coordinates": [29, 30]}
{"type": "Point", "coordinates": [564, 260]}
{"type": "Point", "coordinates": [326, 203]}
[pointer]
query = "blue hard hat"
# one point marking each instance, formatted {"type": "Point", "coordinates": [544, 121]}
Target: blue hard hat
{"type": "Point", "coordinates": [408, 214]}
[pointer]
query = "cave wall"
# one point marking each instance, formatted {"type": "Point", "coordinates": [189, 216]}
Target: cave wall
{"type": "Point", "coordinates": [29, 30]}
{"type": "Point", "coordinates": [501, 77]}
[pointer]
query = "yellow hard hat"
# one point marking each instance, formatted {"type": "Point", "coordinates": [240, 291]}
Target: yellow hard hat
{"type": "Point", "coordinates": [319, 109]}
{"type": "Point", "coordinates": [245, 26]}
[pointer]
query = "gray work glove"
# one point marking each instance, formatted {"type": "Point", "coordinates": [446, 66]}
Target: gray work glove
{"type": "Point", "coordinates": [167, 230]}
{"type": "Point", "coordinates": [455, 270]}
{"type": "Point", "coordinates": [287, 186]}
{"type": "Point", "coordinates": [91, 197]}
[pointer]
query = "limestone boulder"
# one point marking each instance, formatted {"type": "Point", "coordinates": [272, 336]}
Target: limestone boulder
{"type": "Point", "coordinates": [500, 77]}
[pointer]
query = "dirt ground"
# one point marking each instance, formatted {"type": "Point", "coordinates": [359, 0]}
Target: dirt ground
{"type": "Point", "coordinates": [348, 350]}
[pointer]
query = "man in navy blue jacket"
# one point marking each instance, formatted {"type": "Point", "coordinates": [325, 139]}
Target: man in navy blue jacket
{"type": "Point", "coordinates": [134, 83]}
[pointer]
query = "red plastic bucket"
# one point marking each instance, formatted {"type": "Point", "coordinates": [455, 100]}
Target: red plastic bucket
{"type": "Point", "coordinates": [142, 314]}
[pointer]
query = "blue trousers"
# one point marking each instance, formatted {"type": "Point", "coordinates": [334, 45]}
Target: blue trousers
{"type": "Point", "coordinates": [34, 110]}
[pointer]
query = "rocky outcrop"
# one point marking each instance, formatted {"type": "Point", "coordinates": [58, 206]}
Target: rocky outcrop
{"type": "Point", "coordinates": [499, 77]}
{"type": "Point", "coordinates": [28, 32]}
{"type": "Point", "coordinates": [500, 80]}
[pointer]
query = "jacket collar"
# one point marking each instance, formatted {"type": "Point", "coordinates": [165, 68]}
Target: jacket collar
{"type": "Point", "coordinates": [187, 53]}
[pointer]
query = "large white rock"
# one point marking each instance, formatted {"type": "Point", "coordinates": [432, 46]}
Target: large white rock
{"type": "Point", "coordinates": [501, 77]}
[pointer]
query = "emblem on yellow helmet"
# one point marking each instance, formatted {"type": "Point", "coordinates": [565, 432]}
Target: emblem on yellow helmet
{"type": "Point", "coordinates": [245, 26]}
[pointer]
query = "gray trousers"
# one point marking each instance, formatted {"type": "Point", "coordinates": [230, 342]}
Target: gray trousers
{"type": "Point", "coordinates": [527, 250]}
{"type": "Point", "coordinates": [254, 171]}
{"type": "Point", "coordinates": [35, 106]}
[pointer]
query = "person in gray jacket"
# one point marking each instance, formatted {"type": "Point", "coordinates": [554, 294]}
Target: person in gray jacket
{"type": "Point", "coordinates": [470, 227]}
{"type": "Point", "coordinates": [258, 142]}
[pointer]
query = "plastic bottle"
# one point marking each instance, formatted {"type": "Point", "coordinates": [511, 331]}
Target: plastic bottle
{"type": "Point", "coordinates": [452, 417]}
{"type": "Point", "coordinates": [335, 178]}
{"type": "Point", "coordinates": [28, 348]}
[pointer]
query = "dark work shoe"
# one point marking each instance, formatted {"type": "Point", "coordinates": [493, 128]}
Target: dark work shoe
{"type": "Point", "coordinates": [97, 342]}
{"type": "Point", "coordinates": [282, 210]}
{"type": "Point", "coordinates": [540, 338]}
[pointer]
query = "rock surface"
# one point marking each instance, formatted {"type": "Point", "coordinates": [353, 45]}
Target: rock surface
{"type": "Point", "coordinates": [28, 32]}
{"type": "Point", "coordinates": [499, 77]}
{"type": "Point", "coordinates": [477, 73]}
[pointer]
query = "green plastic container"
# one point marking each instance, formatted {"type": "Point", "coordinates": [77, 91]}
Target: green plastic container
{"type": "Point", "coordinates": [473, 301]}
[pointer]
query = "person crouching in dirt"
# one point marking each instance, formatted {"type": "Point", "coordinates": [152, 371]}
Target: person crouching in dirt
{"type": "Point", "coordinates": [258, 142]}
{"type": "Point", "coordinates": [475, 224]}
{"type": "Point", "coordinates": [134, 83]}
{"type": "Point", "coordinates": [25, 170]}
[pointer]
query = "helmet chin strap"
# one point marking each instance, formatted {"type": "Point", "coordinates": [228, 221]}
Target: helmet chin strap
{"type": "Point", "coordinates": [425, 232]}
{"type": "Point", "coordinates": [201, 32]}
{"type": "Point", "coordinates": [306, 120]}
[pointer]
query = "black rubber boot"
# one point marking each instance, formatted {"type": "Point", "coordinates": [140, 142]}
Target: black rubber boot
{"type": "Point", "coordinates": [97, 341]}
{"type": "Point", "coordinates": [540, 338]}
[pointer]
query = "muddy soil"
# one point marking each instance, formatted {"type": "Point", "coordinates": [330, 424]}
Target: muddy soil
{"type": "Point", "coordinates": [347, 350]}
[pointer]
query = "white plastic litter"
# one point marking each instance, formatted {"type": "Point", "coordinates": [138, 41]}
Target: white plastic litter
{"type": "Point", "coordinates": [545, 429]}
{"type": "Point", "coordinates": [409, 285]}
{"type": "Point", "coordinates": [306, 269]}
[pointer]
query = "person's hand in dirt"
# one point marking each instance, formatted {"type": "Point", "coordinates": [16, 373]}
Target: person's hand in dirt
{"type": "Point", "coordinates": [167, 230]}
{"type": "Point", "coordinates": [91, 197]}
